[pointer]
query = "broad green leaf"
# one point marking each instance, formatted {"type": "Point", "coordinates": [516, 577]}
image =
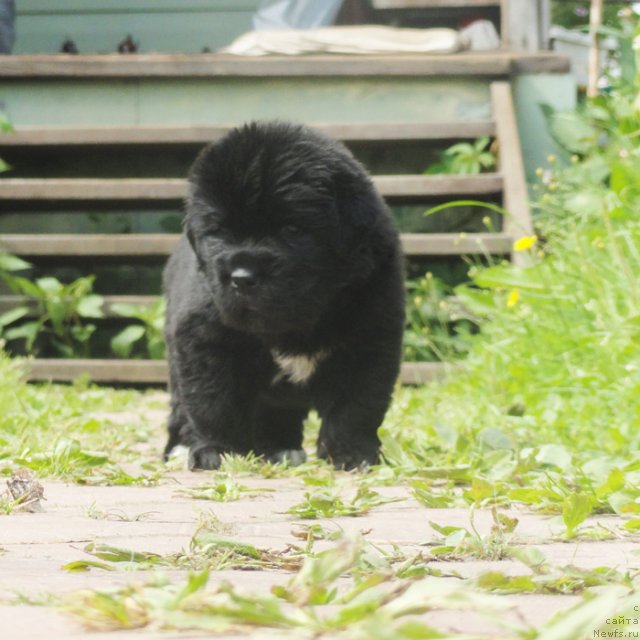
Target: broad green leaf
{"type": "Point", "coordinates": [12, 315]}
{"type": "Point", "coordinates": [570, 129]}
{"type": "Point", "coordinates": [632, 526]}
{"type": "Point", "coordinates": [575, 510]}
{"type": "Point", "coordinates": [499, 582]}
{"type": "Point", "coordinates": [509, 277]}
{"type": "Point", "coordinates": [615, 482]}
{"type": "Point", "coordinates": [445, 530]}
{"type": "Point", "coordinates": [496, 439]}
{"type": "Point", "coordinates": [554, 454]}
{"type": "Point", "coordinates": [529, 556]}
{"type": "Point", "coordinates": [117, 554]}
{"type": "Point", "coordinates": [24, 285]}
{"type": "Point", "coordinates": [128, 310]}
{"type": "Point", "coordinates": [27, 331]}
{"type": "Point", "coordinates": [206, 541]}
{"type": "Point", "coordinates": [49, 285]}
{"type": "Point", "coordinates": [57, 310]}
{"type": "Point", "coordinates": [90, 306]}
{"type": "Point", "coordinates": [84, 565]}
{"type": "Point", "coordinates": [12, 263]}
{"type": "Point", "coordinates": [123, 342]}
{"type": "Point", "coordinates": [478, 301]}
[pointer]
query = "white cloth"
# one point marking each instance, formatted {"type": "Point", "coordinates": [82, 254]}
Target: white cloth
{"type": "Point", "coordinates": [369, 39]}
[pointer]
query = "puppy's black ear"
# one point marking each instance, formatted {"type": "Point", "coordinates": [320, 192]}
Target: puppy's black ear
{"type": "Point", "coordinates": [187, 226]}
{"type": "Point", "coordinates": [364, 220]}
{"type": "Point", "coordinates": [190, 228]}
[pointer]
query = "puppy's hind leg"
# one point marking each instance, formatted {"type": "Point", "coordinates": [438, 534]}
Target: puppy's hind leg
{"type": "Point", "coordinates": [177, 426]}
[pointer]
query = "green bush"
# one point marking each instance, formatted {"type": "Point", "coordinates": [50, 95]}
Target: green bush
{"type": "Point", "coordinates": [547, 404]}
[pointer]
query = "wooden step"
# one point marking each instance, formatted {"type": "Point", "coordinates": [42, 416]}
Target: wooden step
{"type": "Point", "coordinates": [8, 302]}
{"type": "Point", "coordinates": [101, 371]}
{"type": "Point", "coordinates": [490, 64]}
{"type": "Point", "coordinates": [155, 245]}
{"type": "Point", "coordinates": [434, 4]}
{"type": "Point", "coordinates": [156, 371]}
{"type": "Point", "coordinates": [87, 245]}
{"type": "Point", "coordinates": [138, 189]}
{"type": "Point", "coordinates": [146, 135]}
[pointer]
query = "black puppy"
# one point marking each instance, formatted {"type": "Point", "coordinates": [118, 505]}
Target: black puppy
{"type": "Point", "coordinates": [285, 293]}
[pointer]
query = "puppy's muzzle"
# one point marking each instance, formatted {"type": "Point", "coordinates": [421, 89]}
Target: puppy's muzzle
{"type": "Point", "coordinates": [244, 272]}
{"type": "Point", "coordinates": [243, 280]}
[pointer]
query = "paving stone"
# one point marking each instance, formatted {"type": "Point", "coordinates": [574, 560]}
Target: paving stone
{"type": "Point", "coordinates": [160, 519]}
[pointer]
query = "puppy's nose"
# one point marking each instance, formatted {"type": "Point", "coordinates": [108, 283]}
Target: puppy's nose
{"type": "Point", "coordinates": [243, 280]}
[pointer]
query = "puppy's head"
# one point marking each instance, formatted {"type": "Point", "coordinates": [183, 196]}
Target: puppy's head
{"type": "Point", "coordinates": [281, 219]}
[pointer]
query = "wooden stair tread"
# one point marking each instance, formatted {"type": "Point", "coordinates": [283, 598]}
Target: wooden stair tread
{"type": "Point", "coordinates": [348, 132]}
{"type": "Point", "coordinates": [433, 4]}
{"type": "Point", "coordinates": [161, 244]}
{"type": "Point", "coordinates": [490, 64]}
{"type": "Point", "coordinates": [86, 245]}
{"type": "Point", "coordinates": [175, 188]}
{"type": "Point", "coordinates": [8, 302]}
{"type": "Point", "coordinates": [156, 371]}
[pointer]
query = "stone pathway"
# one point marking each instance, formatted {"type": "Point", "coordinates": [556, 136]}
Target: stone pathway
{"type": "Point", "coordinates": [34, 547]}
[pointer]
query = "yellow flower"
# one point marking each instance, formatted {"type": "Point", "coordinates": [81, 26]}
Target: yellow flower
{"type": "Point", "coordinates": [513, 298]}
{"type": "Point", "coordinates": [524, 243]}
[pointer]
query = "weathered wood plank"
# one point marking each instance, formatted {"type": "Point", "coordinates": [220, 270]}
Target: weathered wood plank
{"type": "Point", "coordinates": [160, 244]}
{"type": "Point", "coordinates": [88, 245]}
{"type": "Point", "coordinates": [156, 371]}
{"type": "Point", "coordinates": [455, 244]}
{"type": "Point", "coordinates": [434, 185]}
{"type": "Point", "coordinates": [348, 132]}
{"type": "Point", "coordinates": [103, 371]}
{"type": "Point", "coordinates": [175, 188]}
{"type": "Point", "coordinates": [432, 4]}
{"type": "Point", "coordinates": [8, 302]}
{"type": "Point", "coordinates": [492, 63]}
{"type": "Point", "coordinates": [92, 189]}
{"type": "Point", "coordinates": [516, 194]}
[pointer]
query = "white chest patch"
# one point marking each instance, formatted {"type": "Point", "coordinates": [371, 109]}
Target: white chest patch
{"type": "Point", "coordinates": [297, 369]}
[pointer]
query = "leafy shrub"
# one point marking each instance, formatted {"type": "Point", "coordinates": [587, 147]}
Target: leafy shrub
{"type": "Point", "coordinates": [53, 318]}
{"type": "Point", "coordinates": [546, 405]}
{"type": "Point", "coordinates": [147, 334]}
{"type": "Point", "coordinates": [465, 158]}
{"type": "Point", "coordinates": [438, 327]}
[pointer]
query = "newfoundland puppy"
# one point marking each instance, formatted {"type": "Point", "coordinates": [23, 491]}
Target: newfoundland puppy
{"type": "Point", "coordinates": [285, 293]}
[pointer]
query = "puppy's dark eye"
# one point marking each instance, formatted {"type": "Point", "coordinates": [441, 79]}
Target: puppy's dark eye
{"type": "Point", "coordinates": [213, 228]}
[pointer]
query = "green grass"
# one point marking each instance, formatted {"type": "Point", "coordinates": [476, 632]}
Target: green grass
{"type": "Point", "coordinates": [80, 433]}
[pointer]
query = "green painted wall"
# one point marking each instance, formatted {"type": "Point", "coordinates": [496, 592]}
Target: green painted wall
{"type": "Point", "coordinates": [234, 100]}
{"type": "Point", "coordinates": [156, 25]}
{"type": "Point", "coordinates": [529, 92]}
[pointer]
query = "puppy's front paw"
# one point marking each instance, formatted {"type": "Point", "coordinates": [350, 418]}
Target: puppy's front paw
{"type": "Point", "coordinates": [291, 457]}
{"type": "Point", "coordinates": [348, 459]}
{"type": "Point", "coordinates": [204, 456]}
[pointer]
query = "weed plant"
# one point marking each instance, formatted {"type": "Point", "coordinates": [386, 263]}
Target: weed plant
{"type": "Point", "coordinates": [546, 409]}
{"type": "Point", "coordinates": [77, 433]}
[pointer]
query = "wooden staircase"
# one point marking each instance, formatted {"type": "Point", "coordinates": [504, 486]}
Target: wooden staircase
{"type": "Point", "coordinates": [506, 185]}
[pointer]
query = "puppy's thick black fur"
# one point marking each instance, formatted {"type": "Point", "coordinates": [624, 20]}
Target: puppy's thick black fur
{"type": "Point", "coordinates": [285, 293]}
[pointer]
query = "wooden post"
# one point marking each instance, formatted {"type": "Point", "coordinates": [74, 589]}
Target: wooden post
{"type": "Point", "coordinates": [595, 22]}
{"type": "Point", "coordinates": [525, 24]}
{"type": "Point", "coordinates": [515, 194]}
